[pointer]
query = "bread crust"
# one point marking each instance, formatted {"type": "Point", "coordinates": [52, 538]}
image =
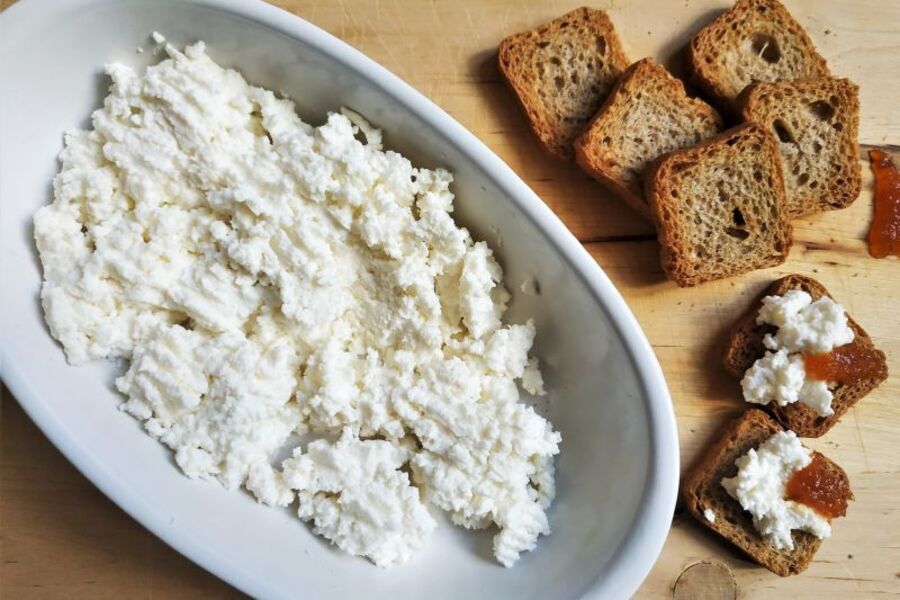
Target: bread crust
{"type": "Point", "coordinates": [744, 346]}
{"type": "Point", "coordinates": [513, 59]}
{"type": "Point", "coordinates": [701, 489]}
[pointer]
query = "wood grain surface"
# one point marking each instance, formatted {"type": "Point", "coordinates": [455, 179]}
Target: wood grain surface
{"type": "Point", "coordinates": [62, 538]}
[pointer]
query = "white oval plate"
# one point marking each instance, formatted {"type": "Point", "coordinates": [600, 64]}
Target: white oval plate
{"type": "Point", "coordinates": [618, 468]}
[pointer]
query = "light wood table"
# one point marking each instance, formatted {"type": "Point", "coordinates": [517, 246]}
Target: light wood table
{"type": "Point", "coordinates": [61, 537]}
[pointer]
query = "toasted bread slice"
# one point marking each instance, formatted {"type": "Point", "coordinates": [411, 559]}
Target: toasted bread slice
{"type": "Point", "coordinates": [745, 346]}
{"type": "Point", "coordinates": [561, 73]}
{"type": "Point", "coordinates": [817, 124]}
{"type": "Point", "coordinates": [646, 115]}
{"type": "Point", "coordinates": [702, 490]}
{"type": "Point", "coordinates": [720, 207]}
{"type": "Point", "coordinates": [755, 40]}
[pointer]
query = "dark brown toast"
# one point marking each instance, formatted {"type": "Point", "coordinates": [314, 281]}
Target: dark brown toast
{"type": "Point", "coordinates": [561, 72]}
{"type": "Point", "coordinates": [720, 207]}
{"type": "Point", "coordinates": [702, 490]}
{"type": "Point", "coordinates": [755, 40]}
{"type": "Point", "coordinates": [745, 346]}
{"type": "Point", "coordinates": [817, 123]}
{"type": "Point", "coordinates": [646, 115]}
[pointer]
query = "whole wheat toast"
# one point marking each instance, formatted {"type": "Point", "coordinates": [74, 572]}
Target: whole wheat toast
{"type": "Point", "coordinates": [646, 115]}
{"type": "Point", "coordinates": [702, 491]}
{"type": "Point", "coordinates": [755, 40]}
{"type": "Point", "coordinates": [745, 346]}
{"type": "Point", "coordinates": [720, 207]}
{"type": "Point", "coordinates": [817, 124]}
{"type": "Point", "coordinates": [561, 72]}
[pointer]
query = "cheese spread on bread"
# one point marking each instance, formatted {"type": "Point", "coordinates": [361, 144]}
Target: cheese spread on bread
{"type": "Point", "coordinates": [760, 487]}
{"type": "Point", "coordinates": [804, 326]}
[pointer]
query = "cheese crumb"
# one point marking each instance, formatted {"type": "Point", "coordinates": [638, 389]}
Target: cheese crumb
{"type": "Point", "coordinates": [530, 287]}
{"type": "Point", "coordinates": [709, 515]}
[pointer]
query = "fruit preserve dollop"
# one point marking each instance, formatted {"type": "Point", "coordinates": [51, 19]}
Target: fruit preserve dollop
{"type": "Point", "coordinates": [820, 488]}
{"type": "Point", "coordinates": [845, 364]}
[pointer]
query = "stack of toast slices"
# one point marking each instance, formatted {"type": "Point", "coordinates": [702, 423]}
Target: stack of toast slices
{"type": "Point", "coordinates": [721, 199]}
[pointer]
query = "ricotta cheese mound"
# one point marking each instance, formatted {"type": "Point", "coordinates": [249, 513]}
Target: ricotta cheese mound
{"type": "Point", "coordinates": [780, 377]}
{"type": "Point", "coordinates": [268, 279]}
{"type": "Point", "coordinates": [356, 496]}
{"type": "Point", "coordinates": [760, 487]}
{"type": "Point", "coordinates": [804, 326]}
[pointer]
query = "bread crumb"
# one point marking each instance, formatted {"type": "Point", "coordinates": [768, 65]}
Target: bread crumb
{"type": "Point", "coordinates": [709, 515]}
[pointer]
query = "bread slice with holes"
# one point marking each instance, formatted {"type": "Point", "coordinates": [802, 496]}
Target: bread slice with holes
{"type": "Point", "coordinates": [817, 124]}
{"type": "Point", "coordinates": [755, 40]}
{"type": "Point", "coordinates": [646, 115]}
{"type": "Point", "coordinates": [702, 491]}
{"type": "Point", "coordinates": [561, 73]}
{"type": "Point", "coordinates": [745, 346]}
{"type": "Point", "coordinates": [719, 207]}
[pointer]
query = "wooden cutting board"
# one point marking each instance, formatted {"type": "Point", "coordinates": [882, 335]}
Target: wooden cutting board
{"type": "Point", "coordinates": [61, 537]}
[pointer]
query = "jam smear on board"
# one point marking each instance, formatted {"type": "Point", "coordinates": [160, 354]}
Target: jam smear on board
{"type": "Point", "coordinates": [884, 235]}
{"type": "Point", "coordinates": [845, 364]}
{"type": "Point", "coordinates": [819, 488]}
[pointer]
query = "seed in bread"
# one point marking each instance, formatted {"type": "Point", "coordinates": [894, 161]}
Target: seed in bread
{"type": "Point", "coordinates": [704, 495]}
{"type": "Point", "coordinates": [755, 40]}
{"type": "Point", "coordinates": [817, 125]}
{"type": "Point", "coordinates": [745, 346]}
{"type": "Point", "coordinates": [561, 73]}
{"type": "Point", "coordinates": [646, 115]}
{"type": "Point", "coordinates": [719, 206]}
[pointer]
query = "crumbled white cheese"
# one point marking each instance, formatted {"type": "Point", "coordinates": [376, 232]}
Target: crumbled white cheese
{"type": "Point", "coordinates": [357, 497]}
{"type": "Point", "coordinates": [781, 378]}
{"type": "Point", "coordinates": [777, 376]}
{"type": "Point", "coordinates": [221, 402]}
{"type": "Point", "coordinates": [483, 454]}
{"type": "Point", "coordinates": [816, 395]}
{"type": "Point", "coordinates": [709, 515]}
{"type": "Point", "coordinates": [760, 486]}
{"type": "Point", "coordinates": [267, 277]}
{"type": "Point", "coordinates": [804, 326]}
{"type": "Point", "coordinates": [532, 380]}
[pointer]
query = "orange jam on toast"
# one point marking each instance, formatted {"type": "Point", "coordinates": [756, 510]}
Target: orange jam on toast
{"type": "Point", "coordinates": [845, 364]}
{"type": "Point", "coordinates": [820, 488]}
